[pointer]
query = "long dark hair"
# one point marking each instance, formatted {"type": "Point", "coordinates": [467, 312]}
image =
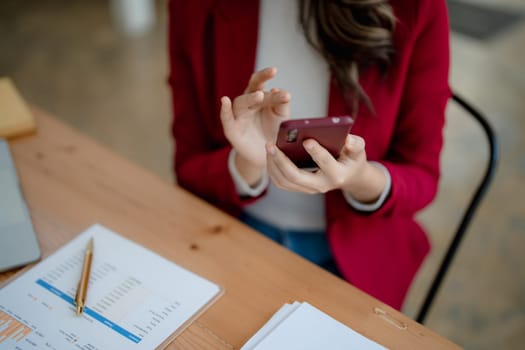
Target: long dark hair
{"type": "Point", "coordinates": [351, 35]}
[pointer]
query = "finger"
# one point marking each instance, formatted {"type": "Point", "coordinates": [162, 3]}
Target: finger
{"type": "Point", "coordinates": [278, 100]}
{"type": "Point", "coordinates": [247, 101]}
{"type": "Point", "coordinates": [226, 113]}
{"type": "Point", "coordinates": [259, 78]}
{"type": "Point", "coordinates": [320, 155]}
{"type": "Point", "coordinates": [281, 105]}
{"type": "Point", "coordinates": [354, 146]}
{"type": "Point", "coordinates": [285, 174]}
{"type": "Point", "coordinates": [333, 173]}
{"type": "Point", "coordinates": [280, 180]}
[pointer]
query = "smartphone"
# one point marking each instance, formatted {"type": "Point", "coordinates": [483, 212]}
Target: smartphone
{"type": "Point", "coordinates": [330, 132]}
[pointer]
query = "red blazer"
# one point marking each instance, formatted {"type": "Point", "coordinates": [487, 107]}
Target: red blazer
{"type": "Point", "coordinates": [212, 46]}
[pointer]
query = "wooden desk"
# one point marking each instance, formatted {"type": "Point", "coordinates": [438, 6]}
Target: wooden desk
{"type": "Point", "coordinates": [71, 182]}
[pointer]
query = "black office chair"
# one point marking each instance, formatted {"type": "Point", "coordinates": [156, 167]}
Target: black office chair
{"type": "Point", "coordinates": [472, 206]}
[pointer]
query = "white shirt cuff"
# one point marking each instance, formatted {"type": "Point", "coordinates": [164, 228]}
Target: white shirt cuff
{"type": "Point", "coordinates": [369, 207]}
{"type": "Point", "coordinates": [241, 186]}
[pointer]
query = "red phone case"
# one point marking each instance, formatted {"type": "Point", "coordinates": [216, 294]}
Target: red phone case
{"type": "Point", "coordinates": [330, 132]}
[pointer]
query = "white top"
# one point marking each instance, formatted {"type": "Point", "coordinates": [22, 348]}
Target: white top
{"type": "Point", "coordinates": [303, 72]}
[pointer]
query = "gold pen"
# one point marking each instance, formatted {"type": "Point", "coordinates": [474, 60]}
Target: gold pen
{"type": "Point", "coordinates": [80, 296]}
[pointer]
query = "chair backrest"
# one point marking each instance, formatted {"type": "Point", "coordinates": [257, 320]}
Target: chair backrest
{"type": "Point", "coordinates": [472, 205]}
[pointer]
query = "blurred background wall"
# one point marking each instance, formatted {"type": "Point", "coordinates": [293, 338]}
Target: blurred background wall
{"type": "Point", "coordinates": [101, 67]}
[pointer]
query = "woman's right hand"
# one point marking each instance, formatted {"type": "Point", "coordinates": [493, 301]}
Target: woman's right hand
{"type": "Point", "coordinates": [253, 120]}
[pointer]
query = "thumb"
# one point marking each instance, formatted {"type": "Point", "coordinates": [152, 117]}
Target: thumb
{"type": "Point", "coordinates": [226, 114]}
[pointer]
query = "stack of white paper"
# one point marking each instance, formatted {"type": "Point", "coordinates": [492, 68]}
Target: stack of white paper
{"type": "Point", "coordinates": [302, 326]}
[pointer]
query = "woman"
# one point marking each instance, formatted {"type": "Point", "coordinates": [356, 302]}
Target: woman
{"type": "Point", "coordinates": [385, 63]}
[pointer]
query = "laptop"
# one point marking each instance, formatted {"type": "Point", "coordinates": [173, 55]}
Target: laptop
{"type": "Point", "coordinates": [18, 243]}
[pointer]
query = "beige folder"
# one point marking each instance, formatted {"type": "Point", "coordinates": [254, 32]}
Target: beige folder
{"type": "Point", "coordinates": [15, 116]}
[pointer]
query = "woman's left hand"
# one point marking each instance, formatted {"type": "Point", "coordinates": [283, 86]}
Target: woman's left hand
{"type": "Point", "coordinates": [351, 172]}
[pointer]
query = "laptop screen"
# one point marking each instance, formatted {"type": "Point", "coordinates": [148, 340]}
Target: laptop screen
{"type": "Point", "coordinates": [18, 243]}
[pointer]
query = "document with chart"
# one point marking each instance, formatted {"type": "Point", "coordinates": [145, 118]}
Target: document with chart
{"type": "Point", "coordinates": [135, 298]}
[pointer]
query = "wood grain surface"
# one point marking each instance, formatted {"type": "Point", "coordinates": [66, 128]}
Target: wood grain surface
{"type": "Point", "coordinates": [70, 182]}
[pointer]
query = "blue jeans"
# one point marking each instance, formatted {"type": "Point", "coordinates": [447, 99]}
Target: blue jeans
{"type": "Point", "coordinates": [310, 245]}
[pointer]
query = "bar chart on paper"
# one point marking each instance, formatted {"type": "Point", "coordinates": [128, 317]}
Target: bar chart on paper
{"type": "Point", "coordinates": [110, 306]}
{"type": "Point", "coordinates": [11, 329]}
{"type": "Point", "coordinates": [129, 304]}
